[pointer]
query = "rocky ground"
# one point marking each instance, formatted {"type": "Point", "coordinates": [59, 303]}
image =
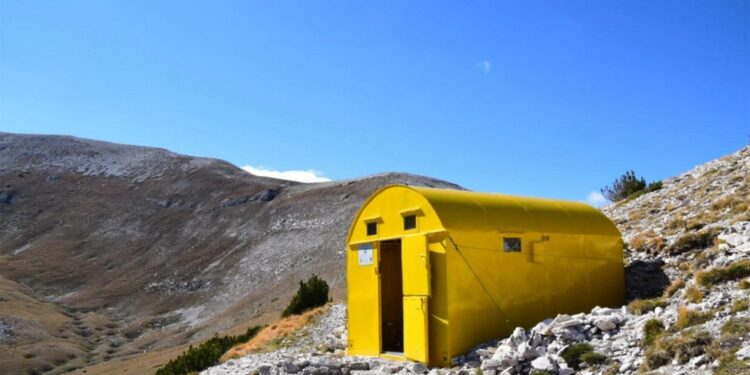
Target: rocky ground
{"type": "Point", "coordinates": [688, 258]}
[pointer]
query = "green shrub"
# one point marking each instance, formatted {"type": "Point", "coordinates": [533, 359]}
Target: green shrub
{"type": "Point", "coordinates": [624, 186]}
{"type": "Point", "coordinates": [572, 354]}
{"type": "Point", "coordinates": [693, 240]}
{"type": "Point", "coordinates": [311, 293]}
{"type": "Point", "coordinates": [653, 186]}
{"type": "Point", "coordinates": [642, 306]}
{"type": "Point", "coordinates": [734, 271]}
{"type": "Point", "coordinates": [594, 358]}
{"type": "Point", "coordinates": [629, 186]}
{"type": "Point", "coordinates": [744, 284]}
{"type": "Point", "coordinates": [206, 354]}
{"type": "Point", "coordinates": [652, 329]}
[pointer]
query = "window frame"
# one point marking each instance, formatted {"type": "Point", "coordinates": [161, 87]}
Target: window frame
{"type": "Point", "coordinates": [410, 217]}
{"type": "Point", "coordinates": [504, 244]}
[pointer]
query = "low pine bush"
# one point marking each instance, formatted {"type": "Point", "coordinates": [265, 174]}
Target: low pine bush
{"type": "Point", "coordinates": [573, 353]}
{"type": "Point", "coordinates": [311, 293]}
{"type": "Point", "coordinates": [629, 186]}
{"type": "Point", "coordinates": [593, 358]}
{"type": "Point", "coordinates": [206, 354]}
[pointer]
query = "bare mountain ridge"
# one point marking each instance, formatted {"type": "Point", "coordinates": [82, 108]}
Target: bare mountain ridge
{"type": "Point", "coordinates": [113, 250]}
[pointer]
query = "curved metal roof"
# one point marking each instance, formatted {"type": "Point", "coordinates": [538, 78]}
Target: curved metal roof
{"type": "Point", "coordinates": [471, 211]}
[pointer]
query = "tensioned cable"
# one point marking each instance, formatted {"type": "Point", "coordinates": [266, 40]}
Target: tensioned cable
{"type": "Point", "coordinates": [486, 291]}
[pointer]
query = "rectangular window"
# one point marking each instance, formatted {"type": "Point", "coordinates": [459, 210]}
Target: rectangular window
{"type": "Point", "coordinates": [410, 222]}
{"type": "Point", "coordinates": [372, 228]}
{"type": "Point", "coordinates": [511, 244]}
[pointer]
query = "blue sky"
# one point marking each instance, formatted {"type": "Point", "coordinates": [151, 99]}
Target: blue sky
{"type": "Point", "coordinates": [551, 98]}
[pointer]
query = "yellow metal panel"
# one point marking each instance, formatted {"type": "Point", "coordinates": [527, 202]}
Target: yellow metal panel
{"type": "Point", "coordinates": [537, 251]}
{"type": "Point", "coordinates": [363, 318]}
{"type": "Point", "coordinates": [415, 328]}
{"type": "Point", "coordinates": [438, 307]}
{"type": "Point", "coordinates": [415, 262]}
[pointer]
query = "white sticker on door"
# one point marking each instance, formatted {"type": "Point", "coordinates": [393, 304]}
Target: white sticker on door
{"type": "Point", "coordinates": [365, 254]}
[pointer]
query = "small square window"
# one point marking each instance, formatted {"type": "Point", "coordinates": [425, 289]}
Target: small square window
{"type": "Point", "coordinates": [410, 222]}
{"type": "Point", "coordinates": [511, 244]}
{"type": "Point", "coordinates": [372, 228]}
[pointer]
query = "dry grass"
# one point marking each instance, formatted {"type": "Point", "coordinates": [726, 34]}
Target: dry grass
{"type": "Point", "coordinates": [268, 338]}
{"type": "Point", "coordinates": [687, 317]}
{"type": "Point", "coordinates": [682, 347]}
{"type": "Point", "coordinates": [648, 241]}
{"type": "Point", "coordinates": [638, 243]}
{"type": "Point", "coordinates": [674, 287]}
{"type": "Point", "coordinates": [740, 305]}
{"type": "Point", "coordinates": [636, 215]}
{"type": "Point", "coordinates": [693, 240]}
{"type": "Point", "coordinates": [693, 295]}
{"type": "Point", "coordinates": [732, 336]}
{"type": "Point", "coordinates": [728, 203]}
{"type": "Point", "coordinates": [677, 223]}
{"type": "Point", "coordinates": [642, 306]}
{"type": "Point", "coordinates": [703, 258]}
{"type": "Point", "coordinates": [734, 271]}
{"type": "Point", "coordinates": [652, 330]}
{"type": "Point", "coordinates": [28, 352]}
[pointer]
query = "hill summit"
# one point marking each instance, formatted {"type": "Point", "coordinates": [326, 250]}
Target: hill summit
{"type": "Point", "coordinates": [108, 251]}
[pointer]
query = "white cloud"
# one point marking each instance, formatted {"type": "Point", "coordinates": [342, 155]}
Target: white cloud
{"type": "Point", "coordinates": [596, 199]}
{"type": "Point", "coordinates": [485, 66]}
{"type": "Point", "coordinates": [308, 175]}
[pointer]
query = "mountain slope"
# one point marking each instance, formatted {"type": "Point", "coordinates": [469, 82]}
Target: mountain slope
{"type": "Point", "coordinates": [688, 270]}
{"type": "Point", "coordinates": [129, 249]}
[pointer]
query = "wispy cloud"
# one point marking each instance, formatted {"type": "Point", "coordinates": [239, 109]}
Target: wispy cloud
{"type": "Point", "coordinates": [308, 175]}
{"type": "Point", "coordinates": [485, 66]}
{"type": "Point", "coordinates": [596, 199]}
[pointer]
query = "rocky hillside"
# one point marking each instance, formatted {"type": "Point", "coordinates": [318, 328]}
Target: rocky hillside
{"type": "Point", "coordinates": [110, 251]}
{"type": "Point", "coordinates": [688, 263]}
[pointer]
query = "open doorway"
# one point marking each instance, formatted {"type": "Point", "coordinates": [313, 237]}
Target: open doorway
{"type": "Point", "coordinates": [391, 295]}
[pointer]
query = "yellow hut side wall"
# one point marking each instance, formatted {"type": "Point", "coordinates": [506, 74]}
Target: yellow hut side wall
{"type": "Point", "coordinates": [492, 291]}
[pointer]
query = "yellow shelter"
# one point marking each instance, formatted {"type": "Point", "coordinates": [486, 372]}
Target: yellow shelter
{"type": "Point", "coordinates": [433, 272]}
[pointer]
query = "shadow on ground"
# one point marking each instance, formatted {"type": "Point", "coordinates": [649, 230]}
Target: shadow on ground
{"type": "Point", "coordinates": [645, 279]}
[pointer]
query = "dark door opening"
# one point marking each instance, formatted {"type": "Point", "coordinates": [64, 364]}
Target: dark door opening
{"type": "Point", "coordinates": [392, 299]}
